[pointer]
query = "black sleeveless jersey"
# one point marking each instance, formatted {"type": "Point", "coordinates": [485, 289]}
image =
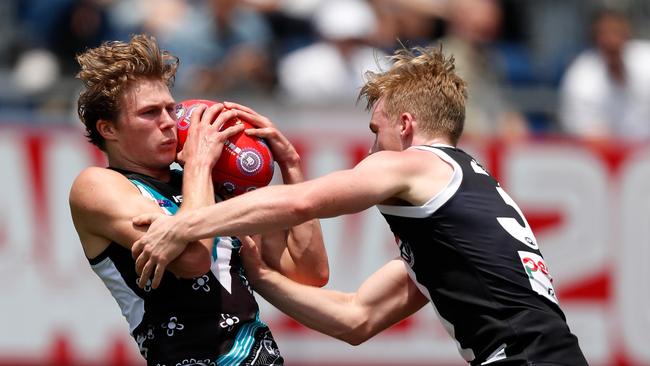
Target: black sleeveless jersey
{"type": "Point", "coordinates": [472, 253]}
{"type": "Point", "coordinates": [209, 320]}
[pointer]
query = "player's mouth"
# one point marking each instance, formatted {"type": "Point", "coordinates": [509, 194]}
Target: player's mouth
{"type": "Point", "coordinates": [169, 143]}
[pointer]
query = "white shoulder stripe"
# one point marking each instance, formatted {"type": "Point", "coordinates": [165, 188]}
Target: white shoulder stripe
{"type": "Point", "coordinates": [131, 305]}
{"type": "Point", "coordinates": [438, 200]}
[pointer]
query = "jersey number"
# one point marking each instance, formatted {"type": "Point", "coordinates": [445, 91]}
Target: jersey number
{"type": "Point", "coordinates": [522, 233]}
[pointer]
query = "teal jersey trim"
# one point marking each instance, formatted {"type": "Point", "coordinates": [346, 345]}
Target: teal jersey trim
{"type": "Point", "coordinates": [215, 242]}
{"type": "Point", "coordinates": [243, 344]}
{"type": "Point", "coordinates": [162, 201]}
{"type": "Point", "coordinates": [236, 244]}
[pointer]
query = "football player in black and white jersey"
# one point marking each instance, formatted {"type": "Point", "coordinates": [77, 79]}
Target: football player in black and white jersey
{"type": "Point", "coordinates": [204, 313]}
{"type": "Point", "coordinates": [465, 246]}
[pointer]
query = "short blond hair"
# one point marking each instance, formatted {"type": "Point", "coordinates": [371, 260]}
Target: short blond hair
{"type": "Point", "coordinates": [423, 82]}
{"type": "Point", "coordinates": [108, 70]}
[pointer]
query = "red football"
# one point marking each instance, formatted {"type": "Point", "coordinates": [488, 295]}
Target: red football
{"type": "Point", "coordinates": [246, 161]}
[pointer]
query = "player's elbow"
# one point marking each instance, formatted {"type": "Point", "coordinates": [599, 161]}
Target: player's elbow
{"type": "Point", "coordinates": [321, 276]}
{"type": "Point", "coordinates": [355, 337]}
{"type": "Point", "coordinates": [317, 277]}
{"type": "Point", "coordinates": [192, 268]}
{"type": "Point", "coordinates": [194, 262]}
{"type": "Point", "coordinates": [357, 329]}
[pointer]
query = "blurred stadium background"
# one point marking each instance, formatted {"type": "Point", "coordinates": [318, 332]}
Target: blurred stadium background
{"type": "Point", "coordinates": [581, 180]}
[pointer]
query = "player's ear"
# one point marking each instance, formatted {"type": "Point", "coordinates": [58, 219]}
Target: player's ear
{"type": "Point", "coordinates": [106, 128]}
{"type": "Point", "coordinates": [406, 124]}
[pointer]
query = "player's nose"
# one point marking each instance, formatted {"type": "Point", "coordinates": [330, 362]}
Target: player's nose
{"type": "Point", "coordinates": [167, 120]}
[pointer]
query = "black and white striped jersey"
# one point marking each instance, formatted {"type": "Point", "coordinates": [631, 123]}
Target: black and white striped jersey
{"type": "Point", "coordinates": [209, 320]}
{"type": "Point", "coordinates": [472, 253]}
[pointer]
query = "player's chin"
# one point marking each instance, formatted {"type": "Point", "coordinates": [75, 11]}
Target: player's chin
{"type": "Point", "coordinates": [167, 151]}
{"type": "Point", "coordinates": [166, 157]}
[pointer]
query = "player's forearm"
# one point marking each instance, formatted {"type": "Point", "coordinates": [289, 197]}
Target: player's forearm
{"type": "Point", "coordinates": [280, 207]}
{"type": "Point", "coordinates": [291, 171]}
{"type": "Point", "coordinates": [198, 190]}
{"type": "Point", "coordinates": [326, 311]}
{"type": "Point", "coordinates": [307, 255]}
{"type": "Point", "coordinates": [305, 258]}
{"type": "Point", "coordinates": [257, 212]}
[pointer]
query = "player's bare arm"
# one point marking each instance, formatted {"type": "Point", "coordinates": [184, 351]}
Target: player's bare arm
{"type": "Point", "coordinates": [298, 253]}
{"type": "Point", "coordinates": [272, 208]}
{"type": "Point", "coordinates": [103, 202]}
{"type": "Point", "coordinates": [384, 299]}
{"type": "Point", "coordinates": [377, 179]}
{"type": "Point", "coordinates": [382, 177]}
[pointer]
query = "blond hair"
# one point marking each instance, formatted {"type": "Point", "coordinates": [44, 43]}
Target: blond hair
{"type": "Point", "coordinates": [107, 71]}
{"type": "Point", "coordinates": [422, 82]}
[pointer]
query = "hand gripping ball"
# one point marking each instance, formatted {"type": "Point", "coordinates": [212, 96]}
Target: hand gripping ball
{"type": "Point", "coordinates": [246, 162]}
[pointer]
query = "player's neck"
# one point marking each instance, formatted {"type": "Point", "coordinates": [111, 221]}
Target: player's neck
{"type": "Point", "coordinates": [428, 140]}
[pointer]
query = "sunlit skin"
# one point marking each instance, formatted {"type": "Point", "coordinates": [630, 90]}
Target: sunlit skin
{"type": "Point", "coordinates": [143, 139]}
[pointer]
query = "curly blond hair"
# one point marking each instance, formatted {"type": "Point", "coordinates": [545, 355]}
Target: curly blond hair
{"type": "Point", "coordinates": [108, 70]}
{"type": "Point", "coordinates": [423, 82]}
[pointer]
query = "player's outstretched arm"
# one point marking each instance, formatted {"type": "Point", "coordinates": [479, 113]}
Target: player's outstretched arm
{"type": "Point", "coordinates": [279, 207]}
{"type": "Point", "coordinates": [378, 177]}
{"type": "Point", "coordinates": [299, 252]}
{"type": "Point", "coordinates": [103, 203]}
{"type": "Point", "coordinates": [385, 298]}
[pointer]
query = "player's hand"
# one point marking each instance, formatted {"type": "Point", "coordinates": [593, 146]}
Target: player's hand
{"type": "Point", "coordinates": [251, 257]}
{"type": "Point", "coordinates": [205, 142]}
{"type": "Point", "coordinates": [159, 246]}
{"type": "Point", "coordinates": [283, 151]}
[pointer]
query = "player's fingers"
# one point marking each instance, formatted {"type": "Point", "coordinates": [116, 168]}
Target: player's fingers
{"type": "Point", "coordinates": [232, 105]}
{"type": "Point", "coordinates": [146, 273]}
{"type": "Point", "coordinates": [232, 130]}
{"type": "Point", "coordinates": [145, 219]}
{"type": "Point", "coordinates": [195, 116]}
{"type": "Point", "coordinates": [247, 245]}
{"type": "Point", "coordinates": [136, 249]}
{"type": "Point", "coordinates": [141, 260]}
{"type": "Point", "coordinates": [224, 117]}
{"type": "Point", "coordinates": [257, 238]}
{"type": "Point", "coordinates": [254, 119]}
{"type": "Point", "coordinates": [263, 132]}
{"type": "Point", "coordinates": [157, 275]}
{"type": "Point", "coordinates": [212, 113]}
{"type": "Point", "coordinates": [180, 158]}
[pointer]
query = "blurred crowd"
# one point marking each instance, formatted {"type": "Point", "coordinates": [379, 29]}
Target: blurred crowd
{"type": "Point", "coordinates": [534, 67]}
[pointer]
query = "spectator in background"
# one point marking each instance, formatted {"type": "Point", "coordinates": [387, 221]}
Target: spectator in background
{"type": "Point", "coordinates": [332, 69]}
{"type": "Point", "coordinates": [290, 23]}
{"type": "Point", "coordinates": [605, 93]}
{"type": "Point", "coordinates": [223, 43]}
{"type": "Point", "coordinates": [411, 22]}
{"type": "Point", "coordinates": [52, 33]}
{"type": "Point", "coordinates": [472, 25]}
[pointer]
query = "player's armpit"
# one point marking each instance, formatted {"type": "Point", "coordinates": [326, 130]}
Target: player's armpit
{"type": "Point", "coordinates": [103, 203]}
